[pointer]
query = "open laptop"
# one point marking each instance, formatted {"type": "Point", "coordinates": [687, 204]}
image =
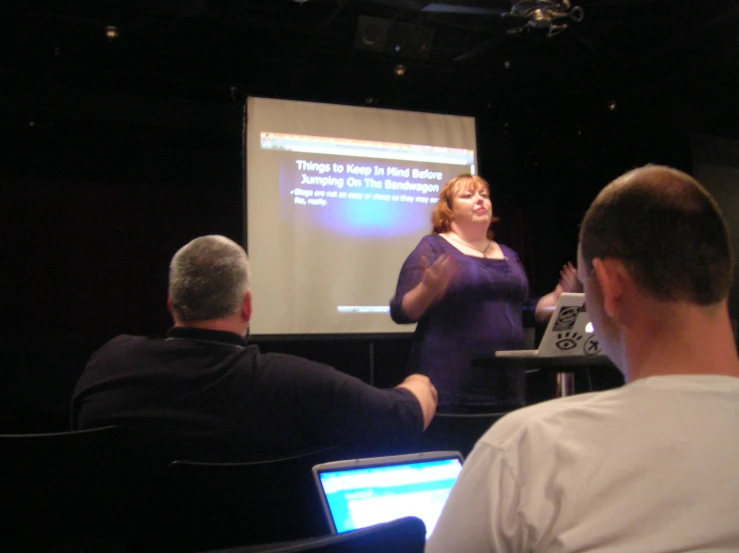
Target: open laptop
{"type": "Point", "coordinates": [568, 333]}
{"type": "Point", "coordinates": [362, 492]}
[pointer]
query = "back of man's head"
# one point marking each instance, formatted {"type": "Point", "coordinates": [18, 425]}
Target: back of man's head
{"type": "Point", "coordinates": [208, 278]}
{"type": "Point", "coordinates": [667, 230]}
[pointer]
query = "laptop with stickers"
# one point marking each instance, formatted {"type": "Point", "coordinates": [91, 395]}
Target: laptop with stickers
{"type": "Point", "coordinates": [568, 333]}
{"type": "Point", "coordinates": [362, 492]}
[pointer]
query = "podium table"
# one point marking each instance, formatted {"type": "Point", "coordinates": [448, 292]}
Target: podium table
{"type": "Point", "coordinates": [563, 366]}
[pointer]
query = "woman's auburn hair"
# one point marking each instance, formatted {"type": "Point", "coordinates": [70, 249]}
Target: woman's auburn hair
{"type": "Point", "coordinates": [441, 217]}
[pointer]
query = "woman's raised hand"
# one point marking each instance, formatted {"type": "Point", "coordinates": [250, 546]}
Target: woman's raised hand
{"type": "Point", "coordinates": [436, 277]}
{"type": "Point", "coordinates": [568, 279]}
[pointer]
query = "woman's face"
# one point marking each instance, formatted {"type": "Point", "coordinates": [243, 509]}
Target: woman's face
{"type": "Point", "coordinates": [472, 205]}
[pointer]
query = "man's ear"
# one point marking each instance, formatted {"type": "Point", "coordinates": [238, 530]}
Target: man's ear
{"type": "Point", "coordinates": [246, 307]}
{"type": "Point", "coordinates": [611, 275]}
{"type": "Point", "coordinates": [169, 306]}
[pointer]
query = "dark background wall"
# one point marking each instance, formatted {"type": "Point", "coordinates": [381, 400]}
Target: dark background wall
{"type": "Point", "coordinates": [105, 173]}
{"type": "Point", "coordinates": [92, 215]}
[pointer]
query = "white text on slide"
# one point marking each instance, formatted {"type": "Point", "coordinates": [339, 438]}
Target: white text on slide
{"type": "Point", "coordinates": [320, 182]}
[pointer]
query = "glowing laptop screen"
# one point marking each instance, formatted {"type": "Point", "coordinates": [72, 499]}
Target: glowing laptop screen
{"type": "Point", "coordinates": [356, 497]}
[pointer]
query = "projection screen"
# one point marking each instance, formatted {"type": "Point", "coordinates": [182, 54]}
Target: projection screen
{"type": "Point", "coordinates": [336, 198]}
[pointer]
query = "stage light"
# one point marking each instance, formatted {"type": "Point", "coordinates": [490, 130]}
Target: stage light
{"type": "Point", "coordinates": [399, 70]}
{"type": "Point", "coordinates": [111, 31]}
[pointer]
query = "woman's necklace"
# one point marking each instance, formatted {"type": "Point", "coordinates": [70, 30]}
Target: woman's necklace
{"type": "Point", "coordinates": [459, 240]}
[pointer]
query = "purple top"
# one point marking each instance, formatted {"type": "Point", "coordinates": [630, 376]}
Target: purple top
{"type": "Point", "coordinates": [481, 312]}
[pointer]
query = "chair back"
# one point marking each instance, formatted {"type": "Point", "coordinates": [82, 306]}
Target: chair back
{"type": "Point", "coordinates": [404, 535]}
{"type": "Point", "coordinates": [457, 431]}
{"type": "Point", "coordinates": [207, 505]}
{"type": "Point", "coordinates": [63, 491]}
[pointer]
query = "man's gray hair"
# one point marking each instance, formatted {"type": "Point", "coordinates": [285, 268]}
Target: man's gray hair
{"type": "Point", "coordinates": [208, 278]}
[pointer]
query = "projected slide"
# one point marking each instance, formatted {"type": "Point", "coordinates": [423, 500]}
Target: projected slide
{"type": "Point", "coordinates": [334, 205]}
{"type": "Point", "coordinates": [361, 187]}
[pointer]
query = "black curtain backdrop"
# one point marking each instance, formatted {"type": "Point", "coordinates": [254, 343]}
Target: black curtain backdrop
{"type": "Point", "coordinates": [93, 211]}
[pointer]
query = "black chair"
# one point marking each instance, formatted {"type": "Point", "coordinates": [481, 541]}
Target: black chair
{"type": "Point", "coordinates": [404, 535]}
{"type": "Point", "coordinates": [457, 431]}
{"type": "Point", "coordinates": [63, 492]}
{"type": "Point", "coordinates": [207, 505]}
{"type": "Point", "coordinates": [26, 419]}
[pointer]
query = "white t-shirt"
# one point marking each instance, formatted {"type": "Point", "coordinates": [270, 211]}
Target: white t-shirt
{"type": "Point", "coordinates": [650, 467]}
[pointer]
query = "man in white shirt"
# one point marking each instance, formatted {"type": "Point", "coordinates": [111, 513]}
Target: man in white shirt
{"type": "Point", "coordinates": [651, 466]}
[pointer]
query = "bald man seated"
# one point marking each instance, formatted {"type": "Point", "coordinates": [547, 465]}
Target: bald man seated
{"type": "Point", "coordinates": [648, 467]}
{"type": "Point", "coordinates": [204, 393]}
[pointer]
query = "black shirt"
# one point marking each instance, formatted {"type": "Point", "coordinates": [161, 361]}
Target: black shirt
{"type": "Point", "coordinates": [204, 394]}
